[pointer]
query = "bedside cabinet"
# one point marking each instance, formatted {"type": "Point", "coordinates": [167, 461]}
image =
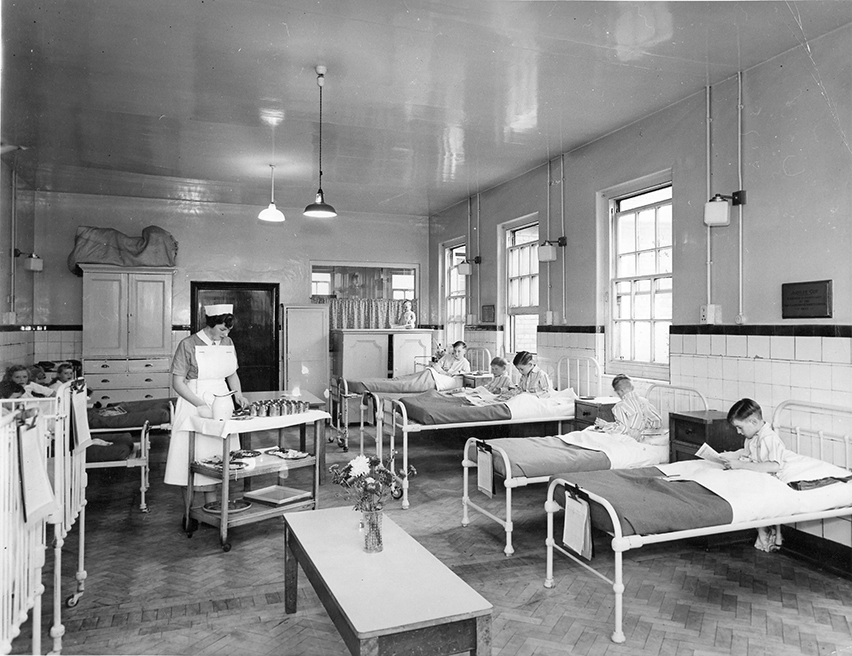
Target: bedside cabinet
{"type": "Point", "coordinates": [689, 430]}
{"type": "Point", "coordinates": [587, 410]}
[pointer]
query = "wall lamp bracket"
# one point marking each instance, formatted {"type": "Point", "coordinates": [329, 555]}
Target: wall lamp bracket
{"type": "Point", "coordinates": [547, 251]}
{"type": "Point", "coordinates": [466, 266]}
{"type": "Point", "coordinates": [32, 262]}
{"type": "Point", "coordinates": [717, 211]}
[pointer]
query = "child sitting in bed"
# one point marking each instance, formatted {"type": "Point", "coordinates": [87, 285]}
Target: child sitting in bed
{"type": "Point", "coordinates": [64, 373]}
{"type": "Point", "coordinates": [533, 379]}
{"type": "Point", "coordinates": [500, 381]}
{"type": "Point", "coordinates": [20, 375]}
{"type": "Point", "coordinates": [763, 451]}
{"type": "Point", "coordinates": [634, 415]}
{"type": "Point", "coordinates": [454, 363]}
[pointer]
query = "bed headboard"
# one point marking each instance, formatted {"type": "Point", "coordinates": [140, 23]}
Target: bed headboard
{"type": "Point", "coordinates": [581, 372]}
{"type": "Point", "coordinates": [668, 398]}
{"type": "Point", "coordinates": [815, 429]}
{"type": "Point", "coordinates": [479, 358]}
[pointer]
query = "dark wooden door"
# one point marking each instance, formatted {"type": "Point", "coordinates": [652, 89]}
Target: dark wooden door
{"type": "Point", "coordinates": [255, 331]}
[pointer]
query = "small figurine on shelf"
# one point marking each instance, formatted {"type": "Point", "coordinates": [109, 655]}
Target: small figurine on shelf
{"type": "Point", "coordinates": [409, 319]}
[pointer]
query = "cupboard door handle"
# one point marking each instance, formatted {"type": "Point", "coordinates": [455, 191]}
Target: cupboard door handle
{"type": "Point", "coordinates": [104, 366]}
{"type": "Point", "coordinates": [149, 380]}
{"type": "Point", "coordinates": [104, 380]}
{"type": "Point", "coordinates": [148, 365]}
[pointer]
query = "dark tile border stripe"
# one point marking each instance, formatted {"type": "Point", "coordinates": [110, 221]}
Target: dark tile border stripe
{"type": "Point", "coordinates": [571, 329]}
{"type": "Point", "coordinates": [800, 330]}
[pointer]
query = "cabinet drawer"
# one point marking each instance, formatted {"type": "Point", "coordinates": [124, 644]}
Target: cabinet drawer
{"type": "Point", "coordinates": [689, 432]}
{"type": "Point", "coordinates": [152, 364]}
{"type": "Point", "coordinates": [104, 366]}
{"type": "Point", "coordinates": [107, 396]}
{"type": "Point", "coordinates": [587, 410]}
{"type": "Point", "coordinates": [682, 451]}
{"type": "Point", "coordinates": [120, 381]}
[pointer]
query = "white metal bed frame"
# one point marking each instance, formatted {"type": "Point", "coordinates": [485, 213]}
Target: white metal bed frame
{"type": "Point", "coordinates": [670, 398]}
{"type": "Point", "coordinates": [586, 379]}
{"type": "Point", "coordinates": [795, 434]}
{"type": "Point", "coordinates": [138, 458]}
{"type": "Point", "coordinates": [371, 401]}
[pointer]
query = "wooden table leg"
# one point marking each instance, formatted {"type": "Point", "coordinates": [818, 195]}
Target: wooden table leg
{"type": "Point", "coordinates": [291, 574]}
{"type": "Point", "coordinates": [483, 636]}
{"type": "Point", "coordinates": [319, 445]}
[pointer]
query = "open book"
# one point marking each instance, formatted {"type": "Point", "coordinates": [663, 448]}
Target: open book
{"type": "Point", "coordinates": [709, 453]}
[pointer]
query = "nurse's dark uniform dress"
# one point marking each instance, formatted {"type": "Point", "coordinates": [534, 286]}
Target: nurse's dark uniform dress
{"type": "Point", "coordinates": [205, 365]}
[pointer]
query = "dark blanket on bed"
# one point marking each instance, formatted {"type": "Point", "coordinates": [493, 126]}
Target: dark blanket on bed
{"type": "Point", "coordinates": [647, 504]}
{"type": "Point", "coordinates": [130, 414]}
{"type": "Point", "coordinates": [541, 456]}
{"type": "Point", "coordinates": [431, 408]}
{"type": "Point", "coordinates": [408, 384]}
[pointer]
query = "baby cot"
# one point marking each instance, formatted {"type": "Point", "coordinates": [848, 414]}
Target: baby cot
{"type": "Point", "coordinates": [645, 506]}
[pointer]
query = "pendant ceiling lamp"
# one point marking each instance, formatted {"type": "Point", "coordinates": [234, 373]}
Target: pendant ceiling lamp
{"type": "Point", "coordinates": [319, 209]}
{"type": "Point", "coordinates": [271, 214]}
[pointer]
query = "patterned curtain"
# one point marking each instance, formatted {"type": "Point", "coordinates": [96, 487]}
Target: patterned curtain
{"type": "Point", "coordinates": [362, 312]}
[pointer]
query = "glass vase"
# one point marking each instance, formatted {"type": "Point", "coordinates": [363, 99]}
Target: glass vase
{"type": "Point", "coordinates": [372, 522]}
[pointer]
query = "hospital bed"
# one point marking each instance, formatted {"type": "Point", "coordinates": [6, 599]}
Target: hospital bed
{"type": "Point", "coordinates": [370, 391]}
{"type": "Point", "coordinates": [648, 506]}
{"type": "Point", "coordinates": [130, 417]}
{"type": "Point", "coordinates": [522, 461]}
{"type": "Point", "coordinates": [573, 375]}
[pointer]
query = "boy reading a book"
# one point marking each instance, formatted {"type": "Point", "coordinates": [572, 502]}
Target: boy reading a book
{"type": "Point", "coordinates": [763, 451]}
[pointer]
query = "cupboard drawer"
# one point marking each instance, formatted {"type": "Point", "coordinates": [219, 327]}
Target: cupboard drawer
{"type": "Point", "coordinates": [689, 432]}
{"type": "Point", "coordinates": [119, 381]}
{"type": "Point", "coordinates": [107, 396]}
{"type": "Point", "coordinates": [152, 364]}
{"type": "Point", "coordinates": [587, 410]}
{"type": "Point", "coordinates": [104, 366]}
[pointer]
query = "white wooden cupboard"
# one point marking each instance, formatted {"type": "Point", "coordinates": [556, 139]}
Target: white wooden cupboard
{"type": "Point", "coordinates": [127, 337]}
{"type": "Point", "coordinates": [305, 329]}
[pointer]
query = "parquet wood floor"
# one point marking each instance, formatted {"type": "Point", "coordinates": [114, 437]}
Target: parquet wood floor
{"type": "Point", "coordinates": [151, 590]}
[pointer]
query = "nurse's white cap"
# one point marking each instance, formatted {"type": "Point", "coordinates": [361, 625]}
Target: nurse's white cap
{"type": "Point", "coordinates": [216, 310]}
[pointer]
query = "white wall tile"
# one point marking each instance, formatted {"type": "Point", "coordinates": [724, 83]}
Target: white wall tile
{"type": "Point", "coordinates": [702, 345]}
{"type": "Point", "coordinates": [837, 349]}
{"type": "Point", "coordinates": [675, 344]}
{"type": "Point", "coordinates": [690, 344]}
{"type": "Point", "coordinates": [718, 345]}
{"type": "Point", "coordinates": [763, 393]}
{"type": "Point", "coordinates": [782, 347]}
{"type": "Point", "coordinates": [699, 368]}
{"type": "Point", "coordinates": [821, 376]}
{"type": "Point", "coordinates": [762, 371]}
{"type": "Point", "coordinates": [758, 346]}
{"type": "Point", "coordinates": [745, 370]}
{"type": "Point", "coordinates": [714, 368]}
{"type": "Point", "coordinates": [737, 346]}
{"type": "Point", "coordinates": [800, 374]}
{"type": "Point", "coordinates": [843, 399]}
{"type": "Point", "coordinates": [729, 369]}
{"type": "Point", "coordinates": [745, 390]}
{"type": "Point", "coordinates": [808, 348]}
{"type": "Point", "coordinates": [781, 373]}
{"type": "Point", "coordinates": [841, 377]}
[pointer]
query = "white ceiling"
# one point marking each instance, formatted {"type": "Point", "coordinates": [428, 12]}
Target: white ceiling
{"type": "Point", "coordinates": [426, 102]}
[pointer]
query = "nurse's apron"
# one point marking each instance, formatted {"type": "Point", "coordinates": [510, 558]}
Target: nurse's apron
{"type": "Point", "coordinates": [215, 364]}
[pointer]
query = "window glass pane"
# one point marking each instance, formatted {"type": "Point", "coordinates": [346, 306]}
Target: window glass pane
{"type": "Point", "coordinates": [665, 265]}
{"type": "Point", "coordinates": [642, 341]}
{"type": "Point", "coordinates": [524, 294]}
{"type": "Point", "coordinates": [623, 306]}
{"type": "Point", "coordinates": [647, 198]}
{"type": "Point", "coordinates": [525, 235]}
{"type": "Point", "coordinates": [514, 262]}
{"type": "Point", "coordinates": [625, 240]}
{"type": "Point", "coordinates": [534, 260]}
{"type": "Point", "coordinates": [663, 305]}
{"type": "Point", "coordinates": [623, 339]}
{"type": "Point", "coordinates": [642, 306]}
{"type": "Point", "coordinates": [664, 225]}
{"type": "Point", "coordinates": [661, 342]}
{"type": "Point", "coordinates": [524, 329]}
{"type": "Point", "coordinates": [626, 266]}
{"type": "Point", "coordinates": [646, 229]}
{"type": "Point", "coordinates": [647, 263]}
{"type": "Point", "coordinates": [513, 292]}
{"type": "Point", "coordinates": [534, 290]}
{"type": "Point", "coordinates": [622, 287]}
{"type": "Point", "coordinates": [663, 283]}
{"type": "Point", "coordinates": [524, 261]}
{"type": "Point", "coordinates": [642, 286]}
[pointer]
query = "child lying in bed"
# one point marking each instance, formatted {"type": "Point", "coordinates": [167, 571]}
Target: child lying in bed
{"type": "Point", "coordinates": [762, 451]}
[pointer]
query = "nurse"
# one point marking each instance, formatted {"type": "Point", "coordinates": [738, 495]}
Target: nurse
{"type": "Point", "coordinates": [204, 364]}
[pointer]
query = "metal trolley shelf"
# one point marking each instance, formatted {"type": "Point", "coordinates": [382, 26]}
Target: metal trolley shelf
{"type": "Point", "coordinates": [286, 499]}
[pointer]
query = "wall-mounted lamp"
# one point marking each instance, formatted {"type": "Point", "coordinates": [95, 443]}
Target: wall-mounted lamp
{"type": "Point", "coordinates": [717, 212]}
{"type": "Point", "coordinates": [466, 267]}
{"type": "Point", "coordinates": [547, 251]}
{"type": "Point", "coordinates": [32, 262]}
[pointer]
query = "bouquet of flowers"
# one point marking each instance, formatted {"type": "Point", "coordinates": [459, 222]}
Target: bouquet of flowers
{"type": "Point", "coordinates": [369, 481]}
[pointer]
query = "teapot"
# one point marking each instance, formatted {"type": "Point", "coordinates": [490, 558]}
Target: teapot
{"type": "Point", "coordinates": [222, 404]}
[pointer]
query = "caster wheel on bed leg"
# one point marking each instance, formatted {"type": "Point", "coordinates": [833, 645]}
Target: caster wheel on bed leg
{"type": "Point", "coordinates": [396, 492]}
{"type": "Point", "coordinates": [226, 547]}
{"type": "Point", "coordinates": [72, 601]}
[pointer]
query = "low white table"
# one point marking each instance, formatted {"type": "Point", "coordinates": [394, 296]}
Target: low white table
{"type": "Point", "coordinates": [402, 600]}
